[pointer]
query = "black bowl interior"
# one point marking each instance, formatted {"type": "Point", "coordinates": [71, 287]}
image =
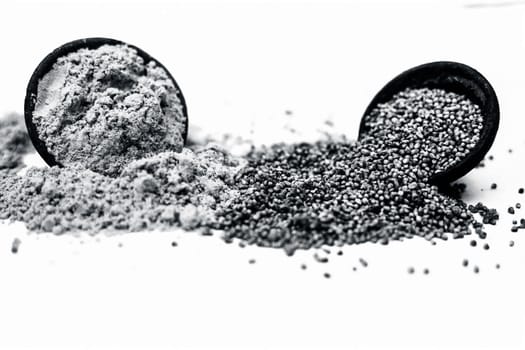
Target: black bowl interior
{"type": "Point", "coordinates": [47, 64]}
{"type": "Point", "coordinates": [453, 77]}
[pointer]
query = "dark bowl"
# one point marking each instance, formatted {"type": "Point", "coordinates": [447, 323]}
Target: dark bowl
{"type": "Point", "coordinates": [47, 64]}
{"type": "Point", "coordinates": [453, 77]}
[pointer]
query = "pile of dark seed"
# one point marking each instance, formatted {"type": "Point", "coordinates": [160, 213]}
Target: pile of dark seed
{"type": "Point", "coordinates": [375, 190]}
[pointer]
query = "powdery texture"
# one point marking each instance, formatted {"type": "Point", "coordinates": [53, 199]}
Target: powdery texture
{"type": "Point", "coordinates": [105, 107]}
{"type": "Point", "coordinates": [14, 141]}
{"type": "Point", "coordinates": [167, 190]}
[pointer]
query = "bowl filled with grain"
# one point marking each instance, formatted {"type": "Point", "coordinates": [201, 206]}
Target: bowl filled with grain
{"type": "Point", "coordinates": [444, 115]}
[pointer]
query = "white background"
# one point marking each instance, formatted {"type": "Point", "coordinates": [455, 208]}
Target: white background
{"type": "Point", "coordinates": [240, 66]}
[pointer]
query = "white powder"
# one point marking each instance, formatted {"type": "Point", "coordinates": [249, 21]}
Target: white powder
{"type": "Point", "coordinates": [106, 107]}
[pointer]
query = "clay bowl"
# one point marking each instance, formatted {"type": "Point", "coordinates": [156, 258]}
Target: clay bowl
{"type": "Point", "coordinates": [453, 77]}
{"type": "Point", "coordinates": [47, 64]}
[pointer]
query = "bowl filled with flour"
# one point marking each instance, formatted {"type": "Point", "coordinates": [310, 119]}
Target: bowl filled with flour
{"type": "Point", "coordinates": [101, 103]}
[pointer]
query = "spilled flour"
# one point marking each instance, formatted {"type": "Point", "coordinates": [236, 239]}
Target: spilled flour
{"type": "Point", "coordinates": [165, 190]}
{"type": "Point", "coordinates": [14, 141]}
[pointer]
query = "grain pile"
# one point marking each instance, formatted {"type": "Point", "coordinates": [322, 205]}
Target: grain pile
{"type": "Point", "coordinates": [373, 190]}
